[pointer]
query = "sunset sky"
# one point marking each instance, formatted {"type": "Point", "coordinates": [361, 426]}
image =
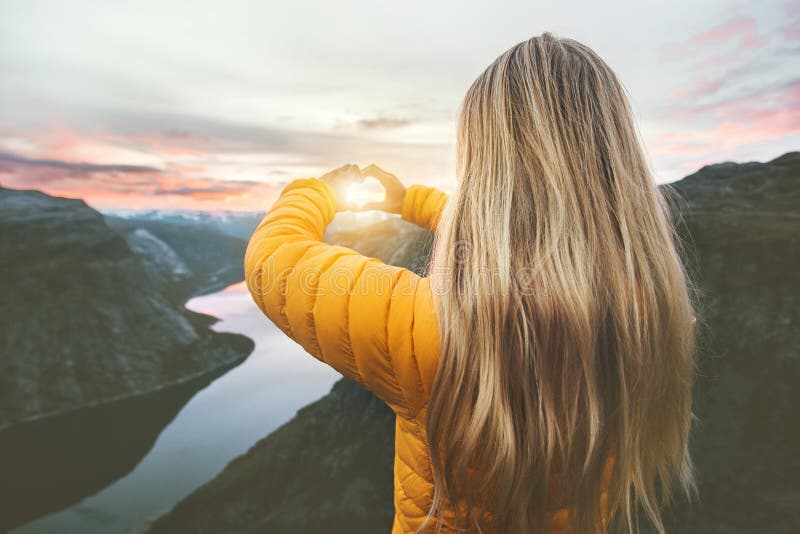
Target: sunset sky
{"type": "Point", "coordinates": [216, 105]}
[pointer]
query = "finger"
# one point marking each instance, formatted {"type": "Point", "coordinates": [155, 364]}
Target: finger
{"type": "Point", "coordinates": [334, 172]}
{"type": "Point", "coordinates": [348, 170]}
{"type": "Point", "coordinates": [374, 170]}
{"type": "Point", "coordinates": [384, 177]}
{"type": "Point", "coordinates": [347, 167]}
{"type": "Point", "coordinates": [344, 173]}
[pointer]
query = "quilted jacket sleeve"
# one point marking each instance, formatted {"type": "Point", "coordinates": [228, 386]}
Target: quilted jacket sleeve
{"type": "Point", "coordinates": [372, 322]}
{"type": "Point", "coordinates": [423, 206]}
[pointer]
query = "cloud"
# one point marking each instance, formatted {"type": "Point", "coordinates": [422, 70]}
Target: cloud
{"type": "Point", "coordinates": [739, 96]}
{"type": "Point", "coordinates": [208, 190]}
{"type": "Point", "coordinates": [700, 85]}
{"type": "Point", "coordinates": [792, 8]}
{"type": "Point", "coordinates": [172, 134]}
{"type": "Point", "coordinates": [780, 97]}
{"type": "Point", "coordinates": [382, 123]}
{"type": "Point", "coordinates": [117, 185]}
{"type": "Point", "coordinates": [741, 29]}
{"type": "Point", "coordinates": [176, 147]}
{"type": "Point", "coordinates": [791, 31]}
{"type": "Point", "coordinates": [78, 168]}
{"type": "Point", "coordinates": [743, 73]}
{"type": "Point", "coordinates": [758, 122]}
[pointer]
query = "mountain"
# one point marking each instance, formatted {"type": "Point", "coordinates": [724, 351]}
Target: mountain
{"type": "Point", "coordinates": [741, 227]}
{"type": "Point", "coordinates": [340, 485]}
{"type": "Point", "coordinates": [329, 468]}
{"type": "Point", "coordinates": [388, 238]}
{"type": "Point", "coordinates": [68, 277]}
{"type": "Point", "coordinates": [94, 345]}
{"type": "Point", "coordinates": [183, 258]}
{"type": "Point", "coordinates": [239, 224]}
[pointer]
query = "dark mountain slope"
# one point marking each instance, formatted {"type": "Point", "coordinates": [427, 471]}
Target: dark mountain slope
{"type": "Point", "coordinates": [97, 352]}
{"type": "Point", "coordinates": [341, 484]}
{"type": "Point", "coordinates": [741, 225]}
{"type": "Point", "coordinates": [83, 322]}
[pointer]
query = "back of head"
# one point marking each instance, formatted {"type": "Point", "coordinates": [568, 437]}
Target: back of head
{"type": "Point", "coordinates": [564, 311]}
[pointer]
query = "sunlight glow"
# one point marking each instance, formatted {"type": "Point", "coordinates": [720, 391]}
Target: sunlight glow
{"type": "Point", "coordinates": [361, 194]}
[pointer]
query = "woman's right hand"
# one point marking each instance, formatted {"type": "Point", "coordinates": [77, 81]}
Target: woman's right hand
{"type": "Point", "coordinates": [395, 191]}
{"type": "Point", "coordinates": [340, 179]}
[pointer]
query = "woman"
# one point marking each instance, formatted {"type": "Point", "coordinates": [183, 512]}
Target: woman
{"type": "Point", "coordinates": [542, 373]}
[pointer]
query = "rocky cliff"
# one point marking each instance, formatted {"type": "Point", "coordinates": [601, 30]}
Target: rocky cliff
{"type": "Point", "coordinates": [741, 227]}
{"type": "Point", "coordinates": [85, 318]}
{"type": "Point", "coordinates": [329, 469]}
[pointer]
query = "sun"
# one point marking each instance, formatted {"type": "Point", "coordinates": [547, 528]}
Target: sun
{"type": "Point", "coordinates": [360, 194]}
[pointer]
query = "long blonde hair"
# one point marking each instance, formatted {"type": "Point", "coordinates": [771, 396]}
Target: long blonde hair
{"type": "Point", "coordinates": [565, 313]}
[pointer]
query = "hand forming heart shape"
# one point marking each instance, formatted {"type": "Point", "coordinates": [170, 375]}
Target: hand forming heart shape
{"type": "Point", "coordinates": [353, 193]}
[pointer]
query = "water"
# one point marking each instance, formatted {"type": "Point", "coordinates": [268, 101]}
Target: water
{"type": "Point", "coordinates": [220, 422]}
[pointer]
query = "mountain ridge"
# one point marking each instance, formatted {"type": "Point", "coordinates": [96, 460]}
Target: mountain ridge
{"type": "Point", "coordinates": [72, 272]}
{"type": "Point", "coordinates": [97, 350]}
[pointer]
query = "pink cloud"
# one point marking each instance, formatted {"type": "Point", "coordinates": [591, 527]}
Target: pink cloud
{"type": "Point", "coordinates": [169, 143]}
{"type": "Point", "coordinates": [793, 8]}
{"type": "Point", "coordinates": [125, 186]}
{"type": "Point", "coordinates": [715, 61]}
{"type": "Point", "coordinates": [736, 126]}
{"type": "Point", "coordinates": [785, 97]}
{"type": "Point", "coordinates": [743, 28]}
{"type": "Point", "coordinates": [59, 142]}
{"type": "Point", "coordinates": [107, 170]}
{"type": "Point", "coordinates": [791, 32]}
{"type": "Point", "coordinates": [682, 147]}
{"type": "Point", "coordinates": [724, 31]}
{"type": "Point", "coordinates": [699, 86]}
{"type": "Point", "coordinates": [757, 118]}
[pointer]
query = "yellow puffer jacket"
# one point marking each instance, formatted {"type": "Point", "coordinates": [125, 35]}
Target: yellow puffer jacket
{"type": "Point", "coordinates": [372, 322]}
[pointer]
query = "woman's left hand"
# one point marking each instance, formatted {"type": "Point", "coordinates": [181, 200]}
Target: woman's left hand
{"type": "Point", "coordinates": [395, 191]}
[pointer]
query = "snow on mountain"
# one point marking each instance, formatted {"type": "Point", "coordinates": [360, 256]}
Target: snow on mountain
{"type": "Point", "coordinates": [233, 223]}
{"type": "Point", "coordinates": [146, 244]}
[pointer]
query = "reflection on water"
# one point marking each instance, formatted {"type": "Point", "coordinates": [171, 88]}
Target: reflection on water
{"type": "Point", "coordinates": [54, 462]}
{"type": "Point", "coordinates": [217, 424]}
